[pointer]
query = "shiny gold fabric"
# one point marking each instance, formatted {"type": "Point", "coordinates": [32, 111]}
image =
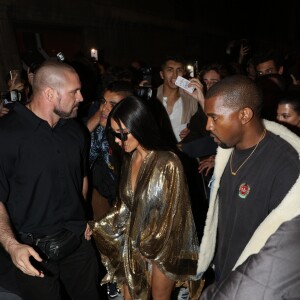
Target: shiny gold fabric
{"type": "Point", "coordinates": [152, 224]}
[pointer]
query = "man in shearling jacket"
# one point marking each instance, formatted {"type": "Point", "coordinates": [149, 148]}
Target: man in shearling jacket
{"type": "Point", "coordinates": [255, 184]}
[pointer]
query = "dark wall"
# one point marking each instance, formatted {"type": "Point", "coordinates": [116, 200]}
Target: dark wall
{"type": "Point", "coordinates": [120, 30]}
{"type": "Point", "coordinates": [126, 30]}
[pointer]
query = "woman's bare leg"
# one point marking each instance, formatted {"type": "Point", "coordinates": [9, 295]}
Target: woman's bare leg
{"type": "Point", "coordinates": [162, 286]}
{"type": "Point", "coordinates": [126, 292]}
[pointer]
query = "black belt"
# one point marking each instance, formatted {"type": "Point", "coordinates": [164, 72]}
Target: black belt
{"type": "Point", "coordinates": [29, 238]}
{"type": "Point", "coordinates": [53, 247]}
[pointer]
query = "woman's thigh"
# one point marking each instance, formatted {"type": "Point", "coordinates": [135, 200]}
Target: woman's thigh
{"type": "Point", "coordinates": [162, 286]}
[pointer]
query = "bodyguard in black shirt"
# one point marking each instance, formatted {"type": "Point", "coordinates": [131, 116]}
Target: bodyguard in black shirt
{"type": "Point", "coordinates": [43, 172]}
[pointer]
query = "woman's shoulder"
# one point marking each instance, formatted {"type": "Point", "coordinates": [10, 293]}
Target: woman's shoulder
{"type": "Point", "coordinates": [167, 156]}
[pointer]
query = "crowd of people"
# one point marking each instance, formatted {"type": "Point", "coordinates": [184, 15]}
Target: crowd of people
{"type": "Point", "coordinates": [130, 187]}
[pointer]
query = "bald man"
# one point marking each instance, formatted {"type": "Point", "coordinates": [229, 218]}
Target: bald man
{"type": "Point", "coordinates": [43, 168]}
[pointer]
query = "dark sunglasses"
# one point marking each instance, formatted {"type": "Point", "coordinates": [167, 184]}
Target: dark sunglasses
{"type": "Point", "coordinates": [123, 136]}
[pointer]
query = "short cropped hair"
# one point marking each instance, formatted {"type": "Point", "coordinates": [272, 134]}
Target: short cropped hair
{"type": "Point", "coordinates": [51, 73]}
{"type": "Point", "coordinates": [238, 92]}
{"type": "Point", "coordinates": [176, 58]}
{"type": "Point", "coordinates": [122, 87]}
{"type": "Point", "coordinates": [271, 54]}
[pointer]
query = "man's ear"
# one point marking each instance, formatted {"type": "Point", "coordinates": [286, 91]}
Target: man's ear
{"type": "Point", "coordinates": [246, 114]}
{"type": "Point", "coordinates": [161, 75]}
{"type": "Point", "coordinates": [49, 93]}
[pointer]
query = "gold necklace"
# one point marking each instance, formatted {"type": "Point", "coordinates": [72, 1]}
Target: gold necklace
{"type": "Point", "coordinates": [231, 155]}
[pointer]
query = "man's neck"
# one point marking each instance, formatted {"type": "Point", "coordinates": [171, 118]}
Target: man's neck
{"type": "Point", "coordinates": [255, 134]}
{"type": "Point", "coordinates": [43, 114]}
{"type": "Point", "coordinates": [171, 94]}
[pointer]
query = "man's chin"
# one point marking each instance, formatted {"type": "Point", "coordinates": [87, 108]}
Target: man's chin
{"type": "Point", "coordinates": [173, 85]}
{"type": "Point", "coordinates": [223, 146]}
{"type": "Point", "coordinates": [68, 116]}
{"type": "Point", "coordinates": [220, 144]}
{"type": "Point", "coordinates": [71, 116]}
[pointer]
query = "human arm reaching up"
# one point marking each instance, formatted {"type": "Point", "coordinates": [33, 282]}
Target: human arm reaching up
{"type": "Point", "coordinates": [198, 92]}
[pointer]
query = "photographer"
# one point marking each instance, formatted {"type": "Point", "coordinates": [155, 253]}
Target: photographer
{"type": "Point", "coordinates": [14, 93]}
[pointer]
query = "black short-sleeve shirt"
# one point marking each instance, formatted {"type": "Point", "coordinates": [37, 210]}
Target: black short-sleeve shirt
{"type": "Point", "coordinates": [41, 172]}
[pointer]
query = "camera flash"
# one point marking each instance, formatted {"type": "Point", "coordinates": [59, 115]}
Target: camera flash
{"type": "Point", "coordinates": [191, 70]}
{"type": "Point", "coordinates": [94, 53]}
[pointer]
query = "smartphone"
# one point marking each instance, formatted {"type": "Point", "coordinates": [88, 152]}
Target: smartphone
{"type": "Point", "coordinates": [94, 53]}
{"type": "Point", "coordinates": [9, 98]}
{"type": "Point", "coordinates": [184, 84]}
{"type": "Point", "coordinates": [245, 43]}
{"type": "Point", "coordinates": [60, 56]}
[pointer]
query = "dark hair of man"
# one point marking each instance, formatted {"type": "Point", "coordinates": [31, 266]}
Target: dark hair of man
{"type": "Point", "coordinates": [238, 92]}
{"type": "Point", "coordinates": [116, 73]}
{"type": "Point", "coordinates": [176, 58]}
{"type": "Point", "coordinates": [293, 98]}
{"type": "Point", "coordinates": [271, 54]}
{"type": "Point", "coordinates": [120, 87]}
{"type": "Point", "coordinates": [137, 116]}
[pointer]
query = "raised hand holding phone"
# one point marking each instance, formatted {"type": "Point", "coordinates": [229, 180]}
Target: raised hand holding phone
{"type": "Point", "coordinates": [196, 90]}
{"type": "Point", "coordinates": [184, 84]}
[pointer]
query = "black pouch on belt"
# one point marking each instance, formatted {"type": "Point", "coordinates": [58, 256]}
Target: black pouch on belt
{"type": "Point", "coordinates": [54, 247]}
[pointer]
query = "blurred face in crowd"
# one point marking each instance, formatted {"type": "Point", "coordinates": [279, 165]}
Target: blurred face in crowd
{"type": "Point", "coordinates": [171, 70]}
{"type": "Point", "coordinates": [268, 67]}
{"type": "Point", "coordinates": [109, 100]}
{"type": "Point", "coordinates": [210, 78]}
{"type": "Point", "coordinates": [123, 137]}
{"type": "Point", "coordinates": [287, 114]}
{"type": "Point", "coordinates": [67, 96]}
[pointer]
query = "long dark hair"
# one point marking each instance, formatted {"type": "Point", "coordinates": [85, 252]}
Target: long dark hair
{"type": "Point", "coordinates": [149, 123]}
{"type": "Point", "coordinates": [136, 114]}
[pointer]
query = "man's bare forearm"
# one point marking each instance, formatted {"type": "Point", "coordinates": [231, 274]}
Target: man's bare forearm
{"type": "Point", "coordinates": [7, 237]}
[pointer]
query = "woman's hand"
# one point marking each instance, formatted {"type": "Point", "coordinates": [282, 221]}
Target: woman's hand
{"type": "Point", "coordinates": [184, 133]}
{"type": "Point", "coordinates": [208, 164]}
{"type": "Point", "coordinates": [88, 232]}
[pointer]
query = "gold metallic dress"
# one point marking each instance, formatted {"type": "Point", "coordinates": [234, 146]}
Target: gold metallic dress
{"type": "Point", "coordinates": [152, 224]}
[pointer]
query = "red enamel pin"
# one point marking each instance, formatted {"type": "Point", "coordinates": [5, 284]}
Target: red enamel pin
{"type": "Point", "coordinates": [244, 190]}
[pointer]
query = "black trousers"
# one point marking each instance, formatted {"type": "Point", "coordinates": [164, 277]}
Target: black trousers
{"type": "Point", "coordinates": [78, 273]}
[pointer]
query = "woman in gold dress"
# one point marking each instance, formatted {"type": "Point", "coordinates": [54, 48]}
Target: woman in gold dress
{"type": "Point", "coordinates": [148, 240]}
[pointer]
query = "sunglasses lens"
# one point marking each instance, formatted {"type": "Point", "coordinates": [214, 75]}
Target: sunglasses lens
{"type": "Point", "coordinates": [119, 135]}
